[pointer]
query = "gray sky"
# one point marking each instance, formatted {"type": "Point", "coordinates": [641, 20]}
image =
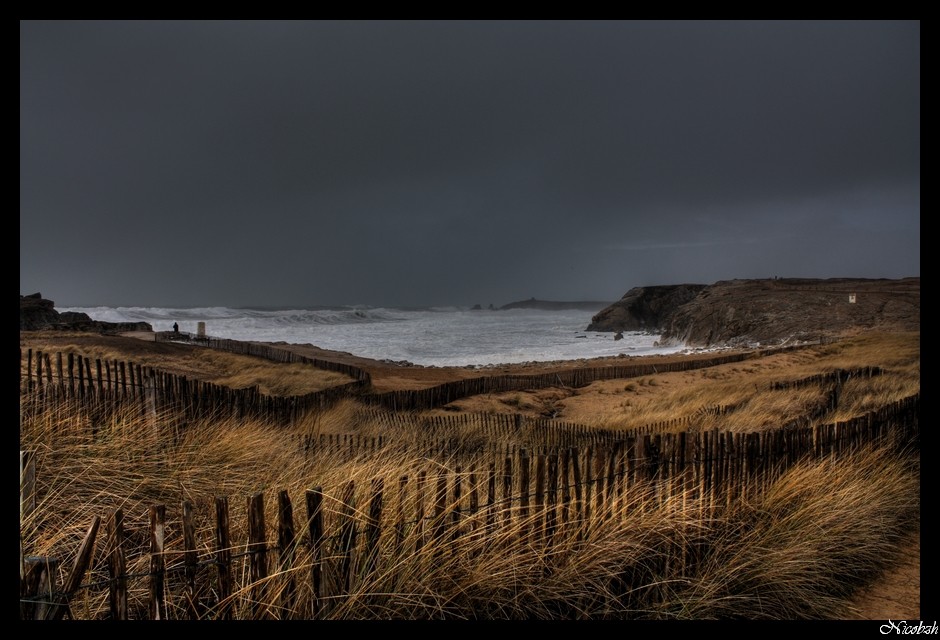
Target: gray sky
{"type": "Point", "coordinates": [436, 163]}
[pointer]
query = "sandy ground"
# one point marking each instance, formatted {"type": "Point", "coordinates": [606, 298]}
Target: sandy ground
{"type": "Point", "coordinates": [896, 595]}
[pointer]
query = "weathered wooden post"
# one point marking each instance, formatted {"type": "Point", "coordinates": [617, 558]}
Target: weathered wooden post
{"type": "Point", "coordinates": [507, 490]}
{"type": "Point", "coordinates": [73, 582]}
{"type": "Point", "coordinates": [609, 480]}
{"type": "Point", "coordinates": [59, 373]}
{"type": "Point", "coordinates": [373, 525]}
{"type": "Point", "coordinates": [190, 559]}
{"type": "Point", "coordinates": [400, 519]}
{"type": "Point", "coordinates": [91, 382]}
{"type": "Point", "coordinates": [491, 497]}
{"type": "Point", "coordinates": [588, 488]}
{"type": "Point", "coordinates": [455, 512]}
{"type": "Point", "coordinates": [539, 496]}
{"type": "Point", "coordinates": [419, 509]}
{"type": "Point", "coordinates": [223, 557]}
{"type": "Point", "coordinates": [117, 566]}
{"type": "Point", "coordinates": [524, 491]}
{"type": "Point", "coordinates": [38, 588]}
{"type": "Point", "coordinates": [347, 534]}
{"type": "Point", "coordinates": [565, 486]}
{"type": "Point", "coordinates": [27, 484]}
{"type": "Point", "coordinates": [157, 561]}
{"type": "Point", "coordinates": [287, 547]}
{"type": "Point", "coordinates": [314, 499]}
{"type": "Point", "coordinates": [29, 368]}
{"type": "Point", "coordinates": [38, 369]}
{"type": "Point", "coordinates": [550, 516]}
{"type": "Point", "coordinates": [578, 493]}
{"type": "Point", "coordinates": [474, 500]}
{"type": "Point", "coordinates": [440, 506]}
{"type": "Point", "coordinates": [257, 553]}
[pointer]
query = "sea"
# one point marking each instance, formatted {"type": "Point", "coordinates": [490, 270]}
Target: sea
{"type": "Point", "coordinates": [437, 336]}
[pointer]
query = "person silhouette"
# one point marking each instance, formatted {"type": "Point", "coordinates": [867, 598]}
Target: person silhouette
{"type": "Point", "coordinates": [176, 328]}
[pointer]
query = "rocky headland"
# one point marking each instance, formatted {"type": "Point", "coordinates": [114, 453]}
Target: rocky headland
{"type": "Point", "coordinates": [39, 314]}
{"type": "Point", "coordinates": [770, 311]}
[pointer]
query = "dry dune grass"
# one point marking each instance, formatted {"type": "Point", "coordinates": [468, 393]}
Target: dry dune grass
{"type": "Point", "coordinates": [745, 386]}
{"type": "Point", "coordinates": [798, 550]}
{"type": "Point", "coordinates": [218, 367]}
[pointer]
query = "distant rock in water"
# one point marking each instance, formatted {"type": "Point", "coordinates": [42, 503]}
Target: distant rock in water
{"type": "Point", "coordinates": [552, 305]}
{"type": "Point", "coordinates": [645, 308]}
{"type": "Point", "coordinates": [39, 314]}
{"type": "Point", "coordinates": [771, 311]}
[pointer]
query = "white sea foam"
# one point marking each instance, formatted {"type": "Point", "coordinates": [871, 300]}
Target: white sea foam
{"type": "Point", "coordinates": [440, 336]}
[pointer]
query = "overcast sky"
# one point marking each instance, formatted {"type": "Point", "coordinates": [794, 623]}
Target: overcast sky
{"type": "Point", "coordinates": [453, 163]}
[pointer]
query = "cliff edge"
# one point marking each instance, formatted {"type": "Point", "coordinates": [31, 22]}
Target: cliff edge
{"type": "Point", "coordinates": [645, 308]}
{"type": "Point", "coordinates": [771, 311]}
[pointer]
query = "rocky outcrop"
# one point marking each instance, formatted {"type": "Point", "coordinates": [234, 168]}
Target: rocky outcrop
{"type": "Point", "coordinates": [645, 308]}
{"type": "Point", "coordinates": [745, 312]}
{"type": "Point", "coordinates": [39, 314]}
{"type": "Point", "coordinates": [772, 311]}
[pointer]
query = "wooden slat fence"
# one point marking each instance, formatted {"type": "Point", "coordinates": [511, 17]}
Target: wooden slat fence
{"type": "Point", "coordinates": [353, 539]}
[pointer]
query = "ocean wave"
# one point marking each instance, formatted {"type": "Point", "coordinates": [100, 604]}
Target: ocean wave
{"type": "Point", "coordinates": [430, 336]}
{"type": "Point", "coordinates": [279, 317]}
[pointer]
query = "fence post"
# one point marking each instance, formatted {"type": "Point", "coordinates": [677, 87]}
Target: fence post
{"type": "Point", "coordinates": [455, 513]}
{"type": "Point", "coordinates": [539, 495]}
{"type": "Point", "coordinates": [474, 500]}
{"type": "Point", "coordinates": [575, 455]}
{"type": "Point", "coordinates": [419, 509]}
{"type": "Point", "coordinates": [524, 491]}
{"type": "Point", "coordinates": [91, 382]}
{"type": "Point", "coordinates": [373, 525]}
{"type": "Point", "coordinates": [157, 561]}
{"type": "Point", "coordinates": [287, 545]}
{"type": "Point", "coordinates": [440, 506]}
{"type": "Point", "coordinates": [563, 477]}
{"type": "Point", "coordinates": [347, 533]}
{"type": "Point", "coordinates": [588, 488]}
{"type": "Point", "coordinates": [223, 557]}
{"type": "Point", "coordinates": [400, 520]}
{"type": "Point", "coordinates": [74, 581]}
{"type": "Point", "coordinates": [550, 516]}
{"type": "Point", "coordinates": [27, 484]}
{"type": "Point", "coordinates": [38, 588]}
{"type": "Point", "coordinates": [507, 490]}
{"type": "Point", "coordinates": [491, 497]}
{"type": "Point", "coordinates": [190, 559]}
{"type": "Point", "coordinates": [29, 368]}
{"type": "Point", "coordinates": [257, 553]}
{"type": "Point", "coordinates": [117, 566]}
{"type": "Point", "coordinates": [315, 528]}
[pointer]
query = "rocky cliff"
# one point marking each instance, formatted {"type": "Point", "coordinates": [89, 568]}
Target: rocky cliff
{"type": "Point", "coordinates": [773, 311]}
{"type": "Point", "coordinates": [38, 314]}
{"type": "Point", "coordinates": [645, 308]}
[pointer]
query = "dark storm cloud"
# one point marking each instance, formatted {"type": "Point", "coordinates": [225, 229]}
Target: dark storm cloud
{"type": "Point", "coordinates": [291, 163]}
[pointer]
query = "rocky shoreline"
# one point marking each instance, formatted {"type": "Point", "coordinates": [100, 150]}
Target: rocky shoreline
{"type": "Point", "coordinates": [39, 314]}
